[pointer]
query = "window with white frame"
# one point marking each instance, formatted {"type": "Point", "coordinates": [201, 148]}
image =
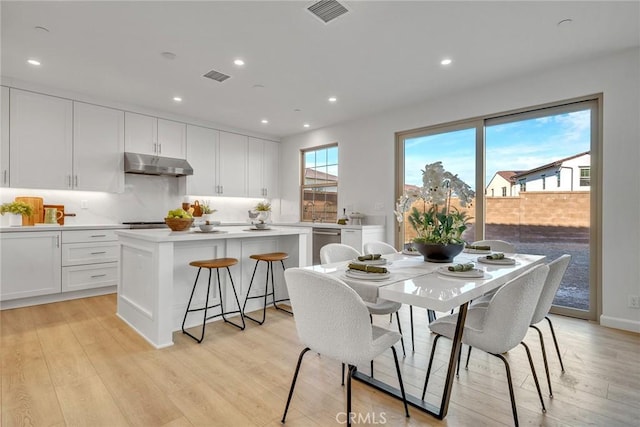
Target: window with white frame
{"type": "Point", "coordinates": [319, 184]}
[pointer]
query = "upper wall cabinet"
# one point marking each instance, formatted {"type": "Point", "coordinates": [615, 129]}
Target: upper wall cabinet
{"type": "Point", "coordinates": [158, 137]}
{"type": "Point", "coordinates": [232, 165]}
{"type": "Point", "coordinates": [262, 170]}
{"type": "Point", "coordinates": [4, 138]}
{"type": "Point", "coordinates": [202, 155]}
{"type": "Point", "coordinates": [98, 147]}
{"type": "Point", "coordinates": [41, 140]}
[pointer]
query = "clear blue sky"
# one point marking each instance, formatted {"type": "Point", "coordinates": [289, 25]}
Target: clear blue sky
{"type": "Point", "coordinates": [519, 145]}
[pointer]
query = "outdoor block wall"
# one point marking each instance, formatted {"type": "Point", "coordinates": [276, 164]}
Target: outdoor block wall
{"type": "Point", "coordinates": [548, 208]}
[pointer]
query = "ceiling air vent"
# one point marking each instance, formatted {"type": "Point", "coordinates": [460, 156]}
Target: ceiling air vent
{"type": "Point", "coordinates": [216, 75]}
{"type": "Point", "coordinates": [327, 10]}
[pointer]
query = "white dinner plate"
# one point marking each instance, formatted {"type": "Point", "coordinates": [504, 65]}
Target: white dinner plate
{"type": "Point", "coordinates": [363, 275]}
{"type": "Point", "coordinates": [258, 229]}
{"type": "Point", "coordinates": [381, 261]}
{"type": "Point", "coordinates": [503, 261]}
{"type": "Point", "coordinates": [469, 274]}
{"type": "Point", "coordinates": [208, 232]}
{"type": "Point", "coordinates": [477, 251]}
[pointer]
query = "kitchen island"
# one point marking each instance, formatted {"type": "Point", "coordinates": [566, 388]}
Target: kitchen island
{"type": "Point", "coordinates": [156, 279]}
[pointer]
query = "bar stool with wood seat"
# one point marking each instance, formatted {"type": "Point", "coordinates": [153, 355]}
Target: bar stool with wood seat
{"type": "Point", "coordinates": [269, 258]}
{"type": "Point", "coordinates": [211, 264]}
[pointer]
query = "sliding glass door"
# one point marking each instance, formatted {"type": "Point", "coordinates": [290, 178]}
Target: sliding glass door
{"type": "Point", "coordinates": [535, 173]}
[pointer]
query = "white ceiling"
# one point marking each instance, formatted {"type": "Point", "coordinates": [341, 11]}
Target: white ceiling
{"type": "Point", "coordinates": [378, 56]}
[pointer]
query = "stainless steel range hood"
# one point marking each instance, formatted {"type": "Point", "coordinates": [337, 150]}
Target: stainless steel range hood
{"type": "Point", "coordinates": [146, 164]}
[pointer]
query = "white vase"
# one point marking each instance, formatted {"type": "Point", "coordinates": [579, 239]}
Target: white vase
{"type": "Point", "coordinates": [15, 220]}
{"type": "Point", "coordinates": [207, 217]}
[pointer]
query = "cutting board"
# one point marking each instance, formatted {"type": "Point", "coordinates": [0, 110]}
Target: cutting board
{"type": "Point", "coordinates": [38, 210]}
{"type": "Point", "coordinates": [58, 207]}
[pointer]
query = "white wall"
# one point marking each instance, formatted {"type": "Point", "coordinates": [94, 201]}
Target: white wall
{"type": "Point", "coordinates": [367, 157]}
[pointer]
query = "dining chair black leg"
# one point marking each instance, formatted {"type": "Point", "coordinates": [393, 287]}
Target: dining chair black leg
{"type": "Point", "coordinates": [535, 377]}
{"type": "Point", "coordinates": [390, 317]}
{"type": "Point", "coordinates": [510, 382]}
{"type": "Point", "coordinates": [555, 341]}
{"type": "Point", "coordinates": [404, 354]}
{"type": "Point", "coordinates": [351, 371]}
{"type": "Point", "coordinates": [293, 382]}
{"type": "Point", "coordinates": [426, 378]}
{"type": "Point", "coordinates": [372, 369]}
{"type": "Point", "coordinates": [413, 344]}
{"type": "Point", "coordinates": [404, 396]}
{"type": "Point", "coordinates": [544, 359]}
{"type": "Point", "coordinates": [466, 365]}
{"type": "Point", "coordinates": [343, 374]}
{"type": "Point", "coordinates": [458, 365]}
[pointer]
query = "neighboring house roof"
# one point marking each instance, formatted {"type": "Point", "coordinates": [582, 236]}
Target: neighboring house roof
{"type": "Point", "coordinates": [548, 165]}
{"type": "Point", "coordinates": [508, 175]}
{"type": "Point", "coordinates": [316, 174]}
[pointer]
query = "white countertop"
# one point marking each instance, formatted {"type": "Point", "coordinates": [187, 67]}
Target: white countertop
{"type": "Point", "coordinates": [223, 232]}
{"type": "Point", "coordinates": [56, 227]}
{"type": "Point", "coordinates": [329, 225]}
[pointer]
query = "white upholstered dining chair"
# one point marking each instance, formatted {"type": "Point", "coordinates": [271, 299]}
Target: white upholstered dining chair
{"type": "Point", "coordinates": [499, 326]}
{"type": "Point", "coordinates": [384, 248]}
{"type": "Point", "coordinates": [496, 245]}
{"type": "Point", "coordinates": [337, 252]}
{"type": "Point", "coordinates": [338, 328]}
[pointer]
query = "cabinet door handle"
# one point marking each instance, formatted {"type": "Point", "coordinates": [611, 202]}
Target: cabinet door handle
{"type": "Point", "coordinates": [57, 241]}
{"type": "Point", "coordinates": [159, 148]}
{"type": "Point", "coordinates": [4, 176]}
{"type": "Point", "coordinates": [69, 181]}
{"type": "Point", "coordinates": [98, 253]}
{"type": "Point", "coordinates": [76, 180]}
{"type": "Point", "coordinates": [98, 235]}
{"type": "Point", "coordinates": [95, 276]}
{"type": "Point", "coordinates": [222, 189]}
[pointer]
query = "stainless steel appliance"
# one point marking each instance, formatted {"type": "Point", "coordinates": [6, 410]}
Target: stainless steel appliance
{"type": "Point", "coordinates": [323, 236]}
{"type": "Point", "coordinates": [146, 164]}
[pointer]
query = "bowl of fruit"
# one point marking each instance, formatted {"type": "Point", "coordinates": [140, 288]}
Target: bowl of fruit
{"type": "Point", "coordinates": [179, 220]}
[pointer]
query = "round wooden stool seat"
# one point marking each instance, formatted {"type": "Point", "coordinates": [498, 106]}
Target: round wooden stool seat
{"type": "Point", "coordinates": [274, 256]}
{"type": "Point", "coordinates": [214, 263]}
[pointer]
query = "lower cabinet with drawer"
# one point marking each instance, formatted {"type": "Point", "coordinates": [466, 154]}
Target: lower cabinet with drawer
{"type": "Point", "coordinates": [89, 259]}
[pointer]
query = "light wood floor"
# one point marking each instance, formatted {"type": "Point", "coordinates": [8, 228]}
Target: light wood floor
{"type": "Point", "coordinates": [76, 364]}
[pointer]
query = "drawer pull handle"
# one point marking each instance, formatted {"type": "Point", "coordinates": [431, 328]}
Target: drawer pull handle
{"type": "Point", "coordinates": [98, 253]}
{"type": "Point", "coordinates": [97, 275]}
{"type": "Point", "coordinates": [98, 235]}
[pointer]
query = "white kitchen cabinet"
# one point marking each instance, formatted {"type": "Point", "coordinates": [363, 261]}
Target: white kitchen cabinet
{"type": "Point", "coordinates": [41, 140]}
{"type": "Point", "coordinates": [4, 137]}
{"type": "Point", "coordinates": [89, 259]}
{"type": "Point", "coordinates": [357, 237]}
{"type": "Point", "coordinates": [262, 168]}
{"type": "Point", "coordinates": [202, 155]}
{"type": "Point", "coordinates": [172, 139]}
{"type": "Point", "coordinates": [31, 264]}
{"type": "Point", "coordinates": [232, 165]}
{"type": "Point", "coordinates": [98, 148]}
{"type": "Point", "coordinates": [150, 135]}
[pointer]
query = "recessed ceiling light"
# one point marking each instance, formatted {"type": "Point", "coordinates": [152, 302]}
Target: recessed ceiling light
{"type": "Point", "coordinates": [168, 55]}
{"type": "Point", "coordinates": [446, 61]}
{"type": "Point", "coordinates": [238, 62]}
{"type": "Point", "coordinates": [41, 28]}
{"type": "Point", "coordinates": [177, 99]}
{"type": "Point", "coordinates": [34, 62]}
{"type": "Point", "coordinates": [264, 121]}
{"type": "Point", "coordinates": [306, 125]}
{"type": "Point", "coordinates": [333, 99]}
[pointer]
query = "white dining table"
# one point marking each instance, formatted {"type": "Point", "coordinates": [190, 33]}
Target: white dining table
{"type": "Point", "coordinates": [413, 281]}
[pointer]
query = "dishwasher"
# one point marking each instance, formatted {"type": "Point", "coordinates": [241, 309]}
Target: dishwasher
{"type": "Point", "coordinates": [321, 237]}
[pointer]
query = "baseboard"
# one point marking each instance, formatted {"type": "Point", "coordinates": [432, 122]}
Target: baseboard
{"type": "Point", "coordinates": [618, 323]}
{"type": "Point", "coordinates": [57, 297]}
